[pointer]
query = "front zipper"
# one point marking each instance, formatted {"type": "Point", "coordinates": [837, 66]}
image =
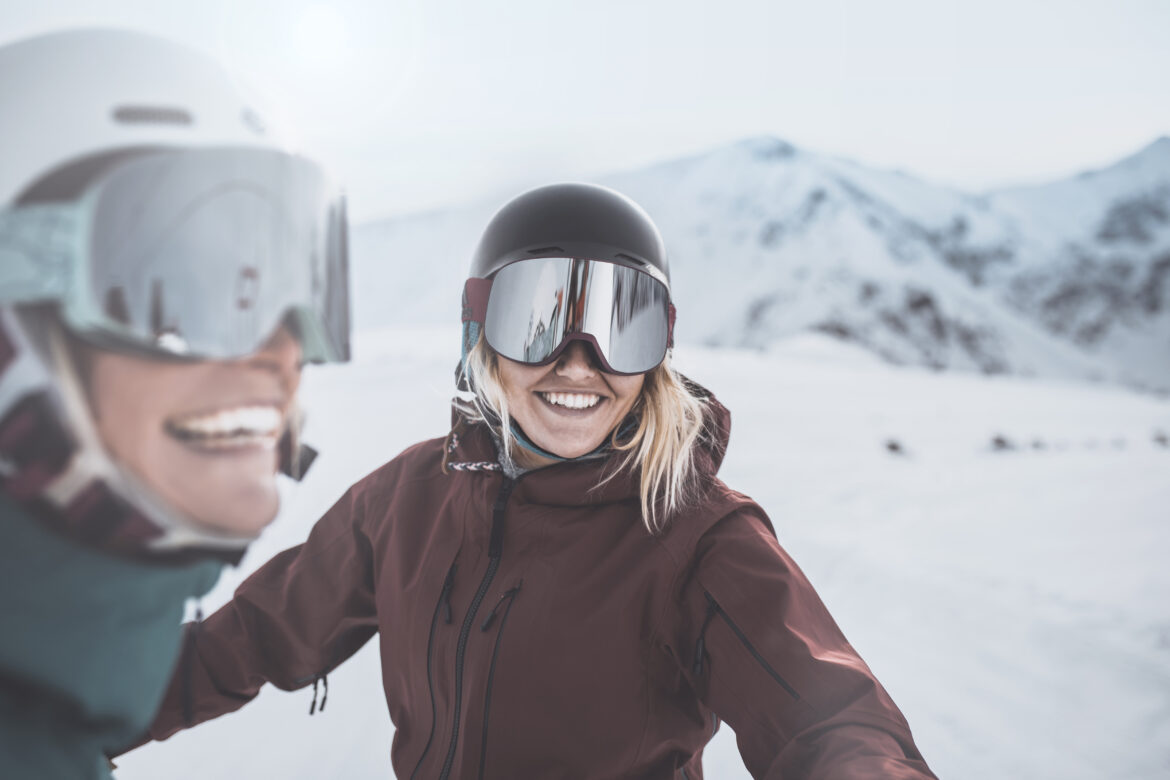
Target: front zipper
{"type": "Point", "coordinates": [444, 603]}
{"type": "Point", "coordinates": [495, 550]}
{"type": "Point", "coordinates": [713, 609]}
{"type": "Point", "coordinates": [510, 597]}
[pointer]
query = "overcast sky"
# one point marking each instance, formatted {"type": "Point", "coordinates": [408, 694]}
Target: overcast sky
{"type": "Point", "coordinates": [421, 103]}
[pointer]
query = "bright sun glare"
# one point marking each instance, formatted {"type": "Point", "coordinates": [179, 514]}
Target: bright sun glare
{"type": "Point", "coordinates": [320, 37]}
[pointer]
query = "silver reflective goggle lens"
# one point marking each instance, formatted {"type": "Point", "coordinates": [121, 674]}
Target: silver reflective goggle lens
{"type": "Point", "coordinates": [532, 309]}
{"type": "Point", "coordinates": [193, 253]}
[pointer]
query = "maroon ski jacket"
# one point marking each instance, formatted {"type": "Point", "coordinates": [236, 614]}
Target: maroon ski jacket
{"type": "Point", "coordinates": [533, 628]}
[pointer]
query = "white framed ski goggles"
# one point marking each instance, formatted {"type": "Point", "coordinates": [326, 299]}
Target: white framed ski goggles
{"type": "Point", "coordinates": [532, 309]}
{"type": "Point", "coordinates": [188, 253]}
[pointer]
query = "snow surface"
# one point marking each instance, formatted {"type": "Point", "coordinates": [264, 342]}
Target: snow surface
{"type": "Point", "coordinates": [1014, 602]}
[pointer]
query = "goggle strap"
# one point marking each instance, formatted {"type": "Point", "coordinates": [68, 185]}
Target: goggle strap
{"type": "Point", "coordinates": [670, 327]}
{"type": "Point", "coordinates": [475, 299]}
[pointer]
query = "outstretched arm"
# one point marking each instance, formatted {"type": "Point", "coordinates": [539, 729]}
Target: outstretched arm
{"type": "Point", "coordinates": [762, 651]}
{"type": "Point", "coordinates": [294, 619]}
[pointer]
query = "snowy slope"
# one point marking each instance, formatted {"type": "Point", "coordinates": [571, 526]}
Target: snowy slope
{"type": "Point", "coordinates": [1013, 601]}
{"type": "Point", "coordinates": [1067, 280]}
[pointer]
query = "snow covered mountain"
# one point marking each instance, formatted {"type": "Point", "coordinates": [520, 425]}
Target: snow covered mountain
{"type": "Point", "coordinates": [1069, 279]}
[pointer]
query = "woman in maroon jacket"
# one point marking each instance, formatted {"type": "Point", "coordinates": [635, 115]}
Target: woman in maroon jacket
{"type": "Point", "coordinates": [563, 586]}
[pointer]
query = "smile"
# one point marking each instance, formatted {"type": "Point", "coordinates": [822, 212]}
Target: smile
{"type": "Point", "coordinates": [572, 400]}
{"type": "Point", "coordinates": [243, 426]}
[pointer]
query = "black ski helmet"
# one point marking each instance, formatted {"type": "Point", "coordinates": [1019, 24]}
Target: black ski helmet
{"type": "Point", "coordinates": [585, 221]}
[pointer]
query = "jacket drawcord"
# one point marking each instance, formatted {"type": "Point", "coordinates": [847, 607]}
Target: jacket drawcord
{"type": "Point", "coordinates": [324, 679]}
{"type": "Point", "coordinates": [700, 645]}
{"type": "Point", "coordinates": [189, 667]}
{"type": "Point", "coordinates": [508, 594]}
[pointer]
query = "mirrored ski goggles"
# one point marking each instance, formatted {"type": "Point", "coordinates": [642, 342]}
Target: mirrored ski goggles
{"type": "Point", "coordinates": [186, 253]}
{"type": "Point", "coordinates": [532, 309]}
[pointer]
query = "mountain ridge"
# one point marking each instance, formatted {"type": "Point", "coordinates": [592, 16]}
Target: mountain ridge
{"type": "Point", "coordinates": [1068, 279]}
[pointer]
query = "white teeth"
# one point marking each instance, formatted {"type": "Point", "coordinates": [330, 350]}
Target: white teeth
{"type": "Point", "coordinates": [573, 400]}
{"type": "Point", "coordinates": [241, 423]}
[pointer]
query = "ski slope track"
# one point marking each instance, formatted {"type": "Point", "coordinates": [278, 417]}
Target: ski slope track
{"type": "Point", "coordinates": [995, 547]}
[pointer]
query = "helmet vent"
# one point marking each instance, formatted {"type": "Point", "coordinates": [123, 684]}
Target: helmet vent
{"type": "Point", "coordinates": [544, 250]}
{"type": "Point", "coordinates": [152, 115]}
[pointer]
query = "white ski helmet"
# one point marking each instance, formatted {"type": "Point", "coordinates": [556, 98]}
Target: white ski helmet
{"type": "Point", "coordinates": [144, 205]}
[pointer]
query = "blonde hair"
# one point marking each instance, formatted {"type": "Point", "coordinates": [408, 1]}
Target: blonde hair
{"type": "Point", "coordinates": [669, 420]}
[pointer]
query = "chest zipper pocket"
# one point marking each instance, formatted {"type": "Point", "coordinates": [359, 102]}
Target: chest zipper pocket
{"type": "Point", "coordinates": [506, 601]}
{"type": "Point", "coordinates": [714, 609]}
{"type": "Point", "coordinates": [443, 607]}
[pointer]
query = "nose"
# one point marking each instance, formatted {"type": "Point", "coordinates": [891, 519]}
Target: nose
{"type": "Point", "coordinates": [281, 354]}
{"type": "Point", "coordinates": [577, 362]}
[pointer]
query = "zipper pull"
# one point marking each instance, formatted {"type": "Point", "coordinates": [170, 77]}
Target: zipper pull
{"type": "Point", "coordinates": [508, 594]}
{"type": "Point", "coordinates": [314, 707]}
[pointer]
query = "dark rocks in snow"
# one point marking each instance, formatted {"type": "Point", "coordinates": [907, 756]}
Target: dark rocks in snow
{"type": "Point", "coordinates": [974, 262]}
{"type": "Point", "coordinates": [811, 205]}
{"type": "Point", "coordinates": [836, 329]}
{"type": "Point", "coordinates": [771, 233]}
{"type": "Point", "coordinates": [921, 305]}
{"type": "Point", "coordinates": [1154, 294]}
{"type": "Point", "coordinates": [960, 253]}
{"type": "Point", "coordinates": [894, 447]}
{"type": "Point", "coordinates": [1001, 443]}
{"type": "Point", "coordinates": [1085, 305]}
{"type": "Point", "coordinates": [894, 322]}
{"type": "Point", "coordinates": [1039, 444]}
{"type": "Point", "coordinates": [1135, 220]}
{"type": "Point", "coordinates": [1161, 439]}
{"type": "Point", "coordinates": [758, 311]}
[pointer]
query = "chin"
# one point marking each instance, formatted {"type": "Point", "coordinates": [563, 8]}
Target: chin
{"type": "Point", "coordinates": [246, 515]}
{"type": "Point", "coordinates": [571, 451]}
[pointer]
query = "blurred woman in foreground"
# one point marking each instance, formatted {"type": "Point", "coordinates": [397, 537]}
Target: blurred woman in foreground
{"type": "Point", "coordinates": [165, 270]}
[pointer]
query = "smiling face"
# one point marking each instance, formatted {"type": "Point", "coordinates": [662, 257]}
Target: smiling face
{"type": "Point", "coordinates": [202, 435]}
{"type": "Point", "coordinates": [570, 406]}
